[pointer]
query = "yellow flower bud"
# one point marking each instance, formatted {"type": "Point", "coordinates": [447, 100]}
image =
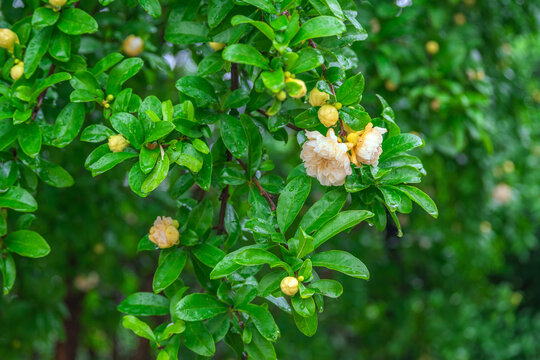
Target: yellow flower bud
{"type": "Point", "coordinates": [164, 233]}
{"type": "Point", "coordinates": [432, 47]}
{"type": "Point", "coordinates": [297, 93]}
{"type": "Point", "coordinates": [301, 278]}
{"type": "Point", "coordinates": [110, 97]}
{"type": "Point", "coordinates": [338, 106]}
{"type": "Point", "coordinates": [117, 143]}
{"type": "Point", "coordinates": [17, 71]}
{"type": "Point", "coordinates": [57, 4]}
{"type": "Point", "coordinates": [281, 96]}
{"type": "Point", "coordinates": [287, 74]}
{"type": "Point", "coordinates": [328, 115]}
{"type": "Point", "coordinates": [8, 39]}
{"type": "Point", "coordinates": [317, 97]}
{"type": "Point", "coordinates": [133, 45]}
{"type": "Point", "coordinates": [289, 286]}
{"type": "Point", "coordinates": [217, 46]}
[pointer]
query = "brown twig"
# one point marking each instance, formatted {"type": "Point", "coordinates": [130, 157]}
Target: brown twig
{"type": "Point", "coordinates": [259, 186]}
{"type": "Point", "coordinates": [241, 323]}
{"type": "Point", "coordinates": [41, 96]}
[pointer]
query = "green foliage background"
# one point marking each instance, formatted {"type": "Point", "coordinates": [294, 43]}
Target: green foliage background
{"type": "Point", "coordinates": [460, 287]}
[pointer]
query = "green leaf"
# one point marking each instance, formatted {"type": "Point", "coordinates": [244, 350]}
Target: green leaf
{"type": "Point", "coordinates": [307, 325]}
{"type": "Point", "coordinates": [49, 172]}
{"type": "Point", "coordinates": [147, 159]}
{"type": "Point", "coordinates": [48, 82]}
{"type": "Point", "coordinates": [158, 130]}
{"type": "Point", "coordinates": [144, 304]}
{"type": "Point", "coordinates": [7, 267]}
{"type": "Point", "coordinates": [30, 138]}
{"type": "Point", "coordinates": [303, 307]}
{"type": "Point", "coordinates": [291, 200]}
{"type": "Point", "coordinates": [265, 5]}
{"type": "Point", "coordinates": [198, 88]}
{"type": "Point", "coordinates": [326, 287]}
{"type": "Point", "coordinates": [152, 7]}
{"type": "Point", "coordinates": [351, 91]}
{"type": "Point", "coordinates": [354, 118]}
{"type": "Point", "coordinates": [44, 16]}
{"type": "Point", "coordinates": [35, 50]}
{"type": "Point", "coordinates": [122, 73]}
{"type": "Point", "coordinates": [129, 126]}
{"type": "Point", "coordinates": [245, 54]}
{"type": "Point", "coordinates": [156, 177]}
{"type": "Point", "coordinates": [74, 21]}
{"type": "Point", "coordinates": [227, 265]}
{"type": "Point", "coordinates": [27, 243]}
{"type": "Point", "coordinates": [234, 135]}
{"type": "Point", "coordinates": [108, 161]}
{"type": "Point", "coordinates": [96, 133]}
{"type": "Point", "coordinates": [301, 244]}
{"type": "Point", "coordinates": [341, 222]}
{"type": "Point", "coordinates": [196, 307]}
{"type": "Point", "coordinates": [68, 124]}
{"type": "Point", "coordinates": [259, 348]}
{"type": "Point", "coordinates": [209, 255]}
{"type": "Point", "coordinates": [343, 262]}
{"type": "Point", "coordinates": [252, 257]}
{"type": "Point", "coordinates": [405, 174]}
{"type": "Point", "coordinates": [270, 282]}
{"type": "Point", "coordinates": [323, 210]}
{"type": "Point", "coordinates": [334, 6]}
{"type": "Point", "coordinates": [18, 199]}
{"type": "Point", "coordinates": [308, 59]}
{"type": "Point", "coordinates": [217, 11]}
{"type": "Point", "coordinates": [171, 263]}
{"type": "Point", "coordinates": [321, 26]}
{"type": "Point", "coordinates": [255, 148]}
{"type": "Point", "coordinates": [262, 26]}
{"type": "Point", "coordinates": [60, 46]}
{"type": "Point", "coordinates": [139, 327]}
{"type": "Point", "coordinates": [399, 143]}
{"type": "Point", "coordinates": [106, 63]}
{"type": "Point", "coordinates": [189, 157]}
{"type": "Point", "coordinates": [210, 64]}
{"type": "Point", "coordinates": [198, 339]}
{"type": "Point", "coordinates": [185, 32]}
{"type": "Point", "coordinates": [421, 198]}
{"type": "Point", "coordinates": [263, 320]}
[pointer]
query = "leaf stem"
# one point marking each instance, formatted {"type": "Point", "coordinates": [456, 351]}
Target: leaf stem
{"type": "Point", "coordinates": [259, 186]}
{"type": "Point", "coordinates": [41, 96]}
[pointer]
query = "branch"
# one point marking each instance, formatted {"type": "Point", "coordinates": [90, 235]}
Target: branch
{"type": "Point", "coordinates": [41, 96]}
{"type": "Point", "coordinates": [259, 186]}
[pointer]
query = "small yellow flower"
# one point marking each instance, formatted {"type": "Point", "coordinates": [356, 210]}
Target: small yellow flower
{"type": "Point", "coordinates": [297, 93]}
{"type": "Point", "coordinates": [317, 97]}
{"type": "Point", "coordinates": [289, 286]}
{"type": "Point", "coordinates": [328, 115]}
{"type": "Point", "coordinates": [57, 4]}
{"type": "Point", "coordinates": [17, 71]}
{"type": "Point", "coordinates": [164, 233]}
{"type": "Point", "coordinates": [432, 47]}
{"type": "Point", "coordinates": [217, 46]}
{"type": "Point", "coordinates": [8, 39]}
{"type": "Point", "coordinates": [133, 45]}
{"type": "Point", "coordinates": [117, 143]}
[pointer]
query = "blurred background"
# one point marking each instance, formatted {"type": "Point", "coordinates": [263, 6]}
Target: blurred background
{"type": "Point", "coordinates": [463, 74]}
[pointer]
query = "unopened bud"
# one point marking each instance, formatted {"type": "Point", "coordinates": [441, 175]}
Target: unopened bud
{"type": "Point", "coordinates": [289, 286]}
{"type": "Point", "coordinates": [8, 39]}
{"type": "Point", "coordinates": [133, 45]}
{"type": "Point", "coordinates": [328, 115]}
{"type": "Point", "coordinates": [17, 71]}
{"type": "Point", "coordinates": [117, 143]}
{"type": "Point", "coordinates": [57, 4]}
{"type": "Point", "coordinates": [432, 47]}
{"type": "Point", "coordinates": [281, 96]}
{"type": "Point", "coordinates": [295, 87]}
{"type": "Point", "coordinates": [217, 46]}
{"type": "Point", "coordinates": [317, 97]}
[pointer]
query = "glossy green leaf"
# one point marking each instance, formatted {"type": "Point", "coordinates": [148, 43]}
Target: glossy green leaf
{"type": "Point", "coordinates": [35, 50]}
{"type": "Point", "coordinates": [198, 339]}
{"type": "Point", "coordinates": [152, 7]}
{"type": "Point", "coordinates": [234, 135]}
{"type": "Point", "coordinates": [421, 198]}
{"type": "Point", "coordinates": [350, 92]}
{"type": "Point", "coordinates": [170, 266]}
{"type": "Point", "coordinates": [74, 21]}
{"type": "Point", "coordinates": [341, 222]}
{"type": "Point", "coordinates": [245, 54]}
{"type": "Point", "coordinates": [196, 307]}
{"type": "Point", "coordinates": [145, 304]}
{"type": "Point", "coordinates": [263, 320]}
{"type": "Point", "coordinates": [321, 26]}
{"type": "Point", "coordinates": [27, 243]}
{"type": "Point", "coordinates": [291, 200]}
{"type": "Point", "coordinates": [327, 287]}
{"type": "Point", "coordinates": [157, 175]}
{"type": "Point", "coordinates": [323, 210]}
{"type": "Point", "coordinates": [68, 124]}
{"type": "Point", "coordinates": [139, 327]}
{"type": "Point", "coordinates": [343, 262]}
{"type": "Point", "coordinates": [122, 73]}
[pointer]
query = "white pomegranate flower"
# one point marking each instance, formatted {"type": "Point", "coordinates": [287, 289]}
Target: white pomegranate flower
{"type": "Point", "coordinates": [367, 145]}
{"type": "Point", "coordinates": [325, 158]}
